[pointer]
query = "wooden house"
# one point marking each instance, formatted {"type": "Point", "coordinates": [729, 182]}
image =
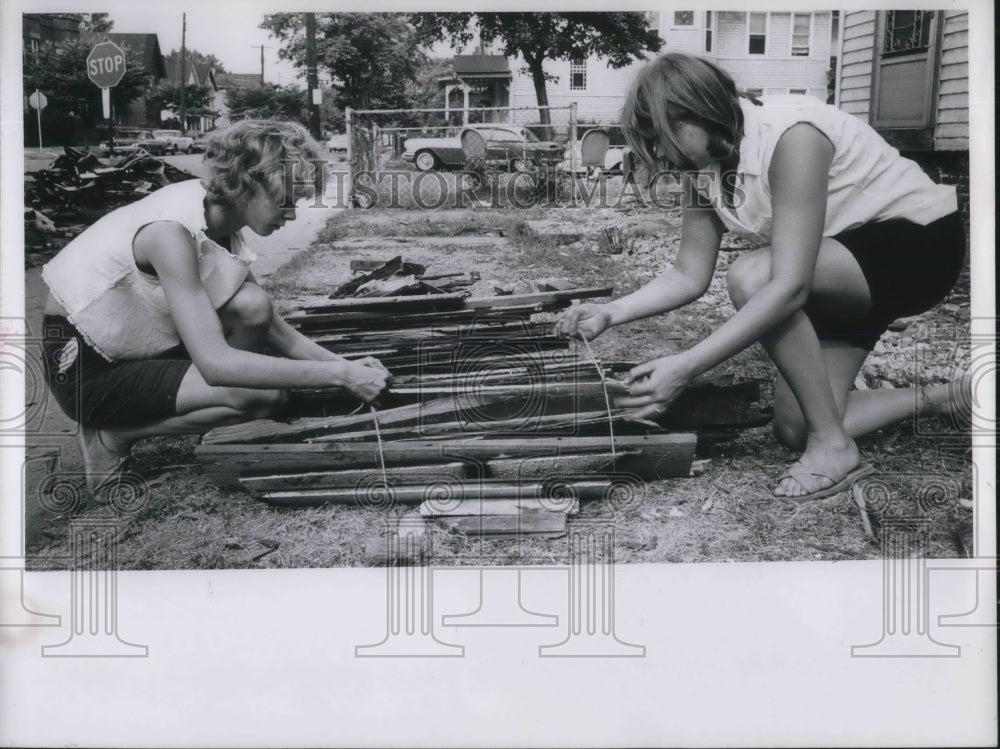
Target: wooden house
{"type": "Point", "coordinates": [906, 73]}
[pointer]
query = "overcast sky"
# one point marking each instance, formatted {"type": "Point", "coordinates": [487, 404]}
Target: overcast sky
{"type": "Point", "coordinates": [224, 28]}
{"type": "Point", "coordinates": [229, 31]}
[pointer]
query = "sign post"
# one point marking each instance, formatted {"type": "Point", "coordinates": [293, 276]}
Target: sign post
{"type": "Point", "coordinates": [105, 68]}
{"type": "Point", "coordinates": [38, 101]}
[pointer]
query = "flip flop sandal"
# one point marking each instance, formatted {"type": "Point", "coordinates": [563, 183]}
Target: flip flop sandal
{"type": "Point", "coordinates": [865, 469]}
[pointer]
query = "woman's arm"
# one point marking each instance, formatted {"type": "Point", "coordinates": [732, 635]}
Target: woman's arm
{"type": "Point", "coordinates": [799, 175]}
{"type": "Point", "coordinates": [684, 281]}
{"type": "Point", "coordinates": [169, 248]}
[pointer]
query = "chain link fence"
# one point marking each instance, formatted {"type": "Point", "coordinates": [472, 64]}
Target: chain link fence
{"type": "Point", "coordinates": [517, 141]}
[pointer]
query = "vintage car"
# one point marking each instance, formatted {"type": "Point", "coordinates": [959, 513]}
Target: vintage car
{"type": "Point", "coordinates": [514, 146]}
{"type": "Point", "coordinates": [128, 140]}
{"type": "Point", "coordinates": [176, 140]}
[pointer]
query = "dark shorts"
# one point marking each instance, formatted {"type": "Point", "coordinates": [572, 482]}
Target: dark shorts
{"type": "Point", "coordinates": [909, 269]}
{"type": "Point", "coordinates": [98, 393]}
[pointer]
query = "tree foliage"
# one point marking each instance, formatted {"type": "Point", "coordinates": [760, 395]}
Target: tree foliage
{"type": "Point", "coordinates": [283, 102]}
{"type": "Point", "coordinates": [619, 38]}
{"type": "Point", "coordinates": [368, 57]}
{"type": "Point", "coordinates": [167, 96]}
{"type": "Point", "coordinates": [194, 56]}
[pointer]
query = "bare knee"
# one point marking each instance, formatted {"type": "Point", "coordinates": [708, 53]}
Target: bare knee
{"type": "Point", "coordinates": [789, 430]}
{"type": "Point", "coordinates": [249, 308]}
{"type": "Point", "coordinates": [747, 275]}
{"type": "Point", "coordinates": [258, 404]}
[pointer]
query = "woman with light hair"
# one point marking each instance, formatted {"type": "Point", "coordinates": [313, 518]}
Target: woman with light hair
{"type": "Point", "coordinates": [155, 325]}
{"type": "Point", "coordinates": [856, 237]}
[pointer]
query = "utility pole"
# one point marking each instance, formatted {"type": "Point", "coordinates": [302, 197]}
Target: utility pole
{"type": "Point", "coordinates": [262, 48]}
{"type": "Point", "coordinates": [312, 76]}
{"type": "Point", "coordinates": [183, 72]}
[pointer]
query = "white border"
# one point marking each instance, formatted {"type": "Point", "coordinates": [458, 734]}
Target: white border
{"type": "Point", "coordinates": [752, 654]}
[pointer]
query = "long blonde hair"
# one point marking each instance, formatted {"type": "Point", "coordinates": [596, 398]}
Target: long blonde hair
{"type": "Point", "coordinates": [677, 88]}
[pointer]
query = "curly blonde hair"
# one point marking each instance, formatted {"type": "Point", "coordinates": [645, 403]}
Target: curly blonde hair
{"type": "Point", "coordinates": [252, 153]}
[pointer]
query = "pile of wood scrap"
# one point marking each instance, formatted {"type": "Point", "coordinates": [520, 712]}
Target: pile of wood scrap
{"type": "Point", "coordinates": [492, 426]}
{"type": "Point", "coordinates": [78, 188]}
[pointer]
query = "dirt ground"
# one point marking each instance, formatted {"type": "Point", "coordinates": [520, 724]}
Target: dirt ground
{"type": "Point", "coordinates": [728, 514]}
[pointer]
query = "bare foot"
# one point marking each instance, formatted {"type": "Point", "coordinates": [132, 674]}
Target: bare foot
{"type": "Point", "coordinates": [952, 399]}
{"type": "Point", "coordinates": [101, 456]}
{"type": "Point", "coordinates": [822, 466]}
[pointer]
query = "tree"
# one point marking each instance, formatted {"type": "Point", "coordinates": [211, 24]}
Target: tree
{"type": "Point", "coordinates": [168, 96]}
{"type": "Point", "coordinates": [368, 57]}
{"type": "Point", "coordinates": [196, 57]}
{"type": "Point", "coordinates": [59, 70]}
{"type": "Point", "coordinates": [283, 102]}
{"type": "Point", "coordinates": [620, 38]}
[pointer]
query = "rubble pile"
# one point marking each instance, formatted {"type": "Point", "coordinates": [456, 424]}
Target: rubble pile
{"type": "Point", "coordinates": [79, 188]}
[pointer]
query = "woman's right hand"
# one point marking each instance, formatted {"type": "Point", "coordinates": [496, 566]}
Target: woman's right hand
{"type": "Point", "coordinates": [365, 380]}
{"type": "Point", "coordinates": [584, 321]}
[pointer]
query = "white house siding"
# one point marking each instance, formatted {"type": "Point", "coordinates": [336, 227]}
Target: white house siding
{"type": "Point", "coordinates": [952, 132]}
{"type": "Point", "coordinates": [858, 29]}
{"type": "Point", "coordinates": [776, 71]}
{"type": "Point", "coordinates": [601, 102]}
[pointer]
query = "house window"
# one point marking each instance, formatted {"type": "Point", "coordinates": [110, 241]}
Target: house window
{"type": "Point", "coordinates": [755, 91]}
{"type": "Point", "coordinates": [798, 91]}
{"type": "Point", "coordinates": [801, 33]}
{"type": "Point", "coordinates": [653, 20]}
{"type": "Point", "coordinates": [906, 31]}
{"type": "Point", "coordinates": [757, 33]}
{"type": "Point", "coordinates": [683, 18]}
{"type": "Point", "coordinates": [835, 26]}
{"type": "Point", "coordinates": [708, 31]}
{"type": "Point", "coordinates": [578, 74]}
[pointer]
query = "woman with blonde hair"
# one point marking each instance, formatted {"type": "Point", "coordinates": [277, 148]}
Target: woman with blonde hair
{"type": "Point", "coordinates": [155, 325]}
{"type": "Point", "coordinates": [857, 236]}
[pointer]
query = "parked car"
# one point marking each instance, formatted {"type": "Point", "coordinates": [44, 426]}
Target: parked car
{"type": "Point", "coordinates": [176, 140]}
{"type": "Point", "coordinates": [512, 145]}
{"type": "Point", "coordinates": [128, 140]}
{"type": "Point", "coordinates": [200, 143]}
{"type": "Point", "coordinates": [337, 143]}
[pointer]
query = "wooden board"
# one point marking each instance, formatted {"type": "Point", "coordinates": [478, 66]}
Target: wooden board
{"type": "Point", "coordinates": [650, 457]}
{"type": "Point", "coordinates": [443, 493]}
{"type": "Point", "coordinates": [475, 507]}
{"type": "Point", "coordinates": [530, 523]}
{"type": "Point", "coordinates": [388, 305]}
{"type": "Point", "coordinates": [517, 469]}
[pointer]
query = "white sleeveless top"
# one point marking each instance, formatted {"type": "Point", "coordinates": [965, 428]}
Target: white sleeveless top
{"type": "Point", "coordinates": [869, 180]}
{"type": "Point", "coordinates": [120, 310]}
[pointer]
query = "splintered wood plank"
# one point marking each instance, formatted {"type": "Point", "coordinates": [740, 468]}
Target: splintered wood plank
{"type": "Point", "coordinates": [353, 478]}
{"type": "Point", "coordinates": [443, 493]}
{"type": "Point", "coordinates": [541, 297]}
{"type": "Point", "coordinates": [654, 456]}
{"type": "Point", "coordinates": [537, 523]}
{"type": "Point", "coordinates": [521, 470]}
{"type": "Point", "coordinates": [388, 305]}
{"type": "Point", "coordinates": [492, 507]}
{"type": "Point", "coordinates": [336, 320]}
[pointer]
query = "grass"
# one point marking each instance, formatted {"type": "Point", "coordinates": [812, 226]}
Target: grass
{"type": "Point", "coordinates": [726, 514]}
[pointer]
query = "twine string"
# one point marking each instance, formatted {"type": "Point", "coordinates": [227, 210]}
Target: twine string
{"type": "Point", "coordinates": [607, 400]}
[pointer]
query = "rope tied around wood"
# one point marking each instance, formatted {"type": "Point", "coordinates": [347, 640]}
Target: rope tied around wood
{"type": "Point", "coordinates": [607, 400]}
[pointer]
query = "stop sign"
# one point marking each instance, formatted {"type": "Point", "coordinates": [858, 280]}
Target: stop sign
{"type": "Point", "coordinates": [106, 64]}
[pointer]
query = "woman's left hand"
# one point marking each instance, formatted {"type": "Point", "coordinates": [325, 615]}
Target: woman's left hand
{"type": "Point", "coordinates": [655, 384]}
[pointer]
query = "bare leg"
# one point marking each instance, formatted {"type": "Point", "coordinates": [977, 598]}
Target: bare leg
{"type": "Point", "coordinates": [864, 411]}
{"type": "Point", "coordinates": [199, 406]}
{"type": "Point", "coordinates": [813, 388]}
